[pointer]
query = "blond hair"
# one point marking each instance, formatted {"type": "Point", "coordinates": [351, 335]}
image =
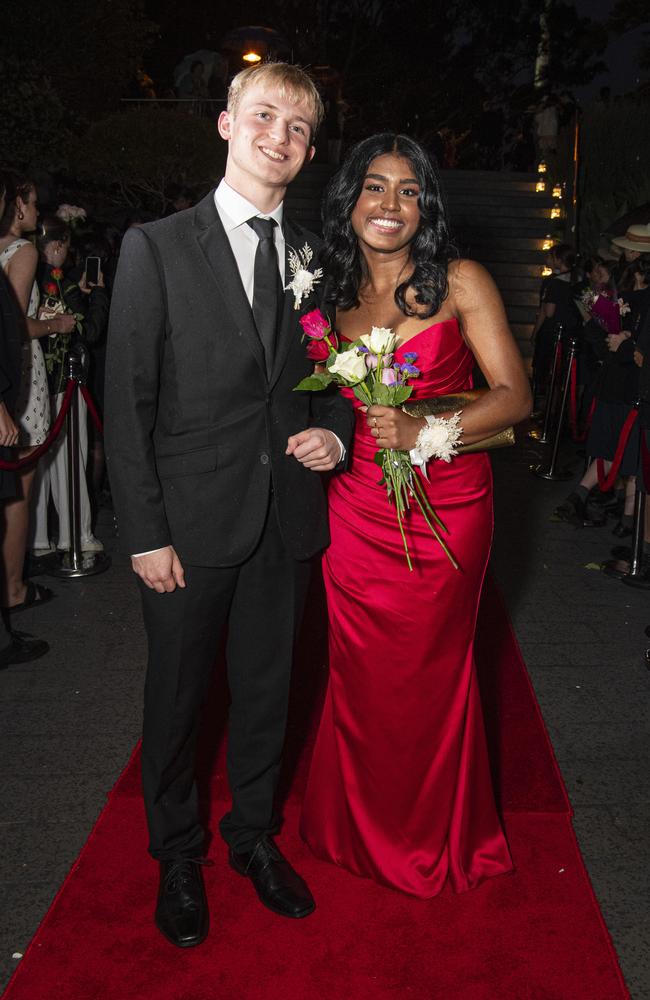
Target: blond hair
{"type": "Point", "coordinates": [292, 83]}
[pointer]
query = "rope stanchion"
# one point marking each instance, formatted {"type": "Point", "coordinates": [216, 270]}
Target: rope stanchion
{"type": "Point", "coordinates": [543, 437]}
{"type": "Point", "coordinates": [55, 430]}
{"type": "Point", "coordinates": [551, 472]}
{"type": "Point", "coordinates": [631, 571]}
{"type": "Point", "coordinates": [606, 481]}
{"type": "Point", "coordinates": [578, 436]}
{"type": "Point", "coordinates": [74, 562]}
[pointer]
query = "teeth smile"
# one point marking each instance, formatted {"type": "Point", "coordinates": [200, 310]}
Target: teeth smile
{"type": "Point", "coordinates": [387, 223]}
{"type": "Point", "coordinates": [272, 153]}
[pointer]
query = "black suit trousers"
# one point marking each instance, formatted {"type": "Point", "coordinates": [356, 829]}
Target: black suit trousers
{"type": "Point", "coordinates": [261, 601]}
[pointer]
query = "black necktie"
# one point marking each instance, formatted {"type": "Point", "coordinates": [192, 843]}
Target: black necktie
{"type": "Point", "coordinates": [266, 286]}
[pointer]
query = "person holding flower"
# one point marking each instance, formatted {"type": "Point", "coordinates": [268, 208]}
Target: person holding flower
{"type": "Point", "coordinates": [60, 296]}
{"type": "Point", "coordinates": [19, 258]}
{"type": "Point", "coordinates": [399, 789]}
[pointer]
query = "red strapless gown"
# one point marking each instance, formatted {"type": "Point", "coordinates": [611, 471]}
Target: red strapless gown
{"type": "Point", "coordinates": [400, 789]}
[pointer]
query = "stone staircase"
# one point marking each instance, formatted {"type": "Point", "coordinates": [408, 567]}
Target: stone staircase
{"type": "Point", "coordinates": [497, 218]}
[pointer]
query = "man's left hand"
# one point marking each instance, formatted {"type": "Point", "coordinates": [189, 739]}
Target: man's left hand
{"type": "Point", "coordinates": [316, 448]}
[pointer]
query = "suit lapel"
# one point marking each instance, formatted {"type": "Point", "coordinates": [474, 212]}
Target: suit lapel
{"type": "Point", "coordinates": [215, 247]}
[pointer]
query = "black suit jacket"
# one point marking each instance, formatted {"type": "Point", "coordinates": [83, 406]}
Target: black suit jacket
{"type": "Point", "coordinates": [195, 430]}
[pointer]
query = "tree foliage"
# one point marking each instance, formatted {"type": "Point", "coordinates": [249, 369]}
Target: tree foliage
{"type": "Point", "coordinates": [139, 155]}
{"type": "Point", "coordinates": [32, 116]}
{"type": "Point", "coordinates": [612, 185]}
{"type": "Point", "coordinates": [87, 51]}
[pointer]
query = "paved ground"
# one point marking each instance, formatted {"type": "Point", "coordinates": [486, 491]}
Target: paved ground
{"type": "Point", "coordinates": [68, 722]}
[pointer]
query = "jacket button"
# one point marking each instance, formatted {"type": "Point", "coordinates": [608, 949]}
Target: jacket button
{"type": "Point", "coordinates": [264, 458]}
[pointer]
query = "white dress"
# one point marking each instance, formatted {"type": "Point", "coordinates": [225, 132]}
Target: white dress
{"type": "Point", "coordinates": [32, 413]}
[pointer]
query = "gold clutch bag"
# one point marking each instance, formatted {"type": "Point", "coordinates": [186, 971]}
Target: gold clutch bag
{"type": "Point", "coordinates": [457, 401]}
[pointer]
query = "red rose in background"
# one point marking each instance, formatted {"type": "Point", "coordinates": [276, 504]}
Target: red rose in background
{"type": "Point", "coordinates": [57, 273]}
{"type": "Point", "coordinates": [51, 289]}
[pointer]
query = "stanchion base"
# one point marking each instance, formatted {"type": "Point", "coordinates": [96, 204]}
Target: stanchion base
{"type": "Point", "coordinates": [537, 435]}
{"type": "Point", "coordinates": [559, 476]}
{"type": "Point", "coordinates": [641, 581]}
{"type": "Point", "coordinates": [89, 564]}
{"type": "Point", "coordinates": [617, 568]}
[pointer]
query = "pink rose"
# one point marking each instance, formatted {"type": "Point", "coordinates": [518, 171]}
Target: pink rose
{"type": "Point", "coordinates": [315, 325]}
{"type": "Point", "coordinates": [389, 376]}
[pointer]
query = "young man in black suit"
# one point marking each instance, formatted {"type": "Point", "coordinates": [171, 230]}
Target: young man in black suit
{"type": "Point", "coordinates": [214, 464]}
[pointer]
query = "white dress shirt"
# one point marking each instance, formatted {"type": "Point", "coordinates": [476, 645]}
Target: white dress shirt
{"type": "Point", "coordinates": [234, 211]}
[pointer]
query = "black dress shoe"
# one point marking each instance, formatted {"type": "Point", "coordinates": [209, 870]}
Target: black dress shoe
{"type": "Point", "coordinates": [278, 886]}
{"type": "Point", "coordinates": [182, 910]}
{"type": "Point", "coordinates": [22, 649]}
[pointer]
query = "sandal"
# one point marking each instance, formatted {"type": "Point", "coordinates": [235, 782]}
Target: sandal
{"type": "Point", "coordinates": [34, 595]}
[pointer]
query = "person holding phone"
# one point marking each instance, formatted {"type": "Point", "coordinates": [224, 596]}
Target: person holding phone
{"type": "Point", "coordinates": [89, 305]}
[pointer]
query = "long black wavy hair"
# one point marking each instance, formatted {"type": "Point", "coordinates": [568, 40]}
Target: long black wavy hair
{"type": "Point", "coordinates": [431, 248]}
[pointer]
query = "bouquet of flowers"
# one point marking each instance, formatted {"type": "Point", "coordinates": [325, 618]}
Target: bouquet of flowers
{"type": "Point", "coordinates": [58, 344]}
{"type": "Point", "coordinates": [367, 366]}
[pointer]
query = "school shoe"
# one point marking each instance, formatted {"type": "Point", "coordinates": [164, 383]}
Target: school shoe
{"type": "Point", "coordinates": [182, 909]}
{"type": "Point", "coordinates": [278, 886]}
{"type": "Point", "coordinates": [22, 649]}
{"type": "Point", "coordinates": [91, 544]}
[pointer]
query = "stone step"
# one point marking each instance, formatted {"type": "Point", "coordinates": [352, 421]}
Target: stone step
{"type": "Point", "coordinates": [483, 242]}
{"type": "Point", "coordinates": [535, 226]}
{"type": "Point", "coordinates": [491, 254]}
{"type": "Point", "coordinates": [499, 213]}
{"type": "Point", "coordinates": [519, 283]}
{"type": "Point", "coordinates": [522, 314]}
{"type": "Point", "coordinates": [514, 269]}
{"type": "Point", "coordinates": [514, 297]}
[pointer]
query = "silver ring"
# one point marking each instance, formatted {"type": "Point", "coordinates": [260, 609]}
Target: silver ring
{"type": "Point", "coordinates": [375, 419]}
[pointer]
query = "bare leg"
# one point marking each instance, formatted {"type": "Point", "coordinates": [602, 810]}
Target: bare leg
{"type": "Point", "coordinates": [14, 543]}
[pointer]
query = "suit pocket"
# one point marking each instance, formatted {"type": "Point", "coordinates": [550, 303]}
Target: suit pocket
{"type": "Point", "coordinates": [190, 463]}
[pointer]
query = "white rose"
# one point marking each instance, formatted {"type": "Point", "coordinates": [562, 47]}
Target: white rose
{"type": "Point", "coordinates": [380, 340]}
{"type": "Point", "coordinates": [350, 365]}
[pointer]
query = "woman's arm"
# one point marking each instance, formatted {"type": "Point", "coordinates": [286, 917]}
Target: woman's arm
{"type": "Point", "coordinates": [21, 271]}
{"type": "Point", "coordinates": [476, 302]}
{"type": "Point", "coordinates": [481, 313]}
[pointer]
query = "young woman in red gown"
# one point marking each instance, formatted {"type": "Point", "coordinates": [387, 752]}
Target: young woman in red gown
{"type": "Point", "coordinates": [399, 789]}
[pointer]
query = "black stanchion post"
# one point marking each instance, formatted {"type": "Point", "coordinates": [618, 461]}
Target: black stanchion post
{"type": "Point", "coordinates": [551, 471]}
{"type": "Point", "coordinates": [636, 577]}
{"type": "Point", "coordinates": [543, 436]}
{"type": "Point", "coordinates": [74, 562]}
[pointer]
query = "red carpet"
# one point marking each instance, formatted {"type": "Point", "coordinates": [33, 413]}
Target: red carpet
{"type": "Point", "coordinates": [534, 935]}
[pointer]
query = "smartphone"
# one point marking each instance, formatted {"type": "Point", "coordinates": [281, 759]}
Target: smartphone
{"type": "Point", "coordinates": [92, 268]}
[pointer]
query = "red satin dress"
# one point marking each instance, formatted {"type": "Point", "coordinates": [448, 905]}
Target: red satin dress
{"type": "Point", "coordinates": [399, 788]}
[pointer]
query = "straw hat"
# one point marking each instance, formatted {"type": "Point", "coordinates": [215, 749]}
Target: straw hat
{"type": "Point", "coordinates": [636, 238]}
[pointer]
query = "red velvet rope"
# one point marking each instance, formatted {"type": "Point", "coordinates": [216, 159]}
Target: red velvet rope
{"type": "Point", "coordinates": [92, 409]}
{"type": "Point", "coordinates": [55, 430]}
{"type": "Point", "coordinates": [605, 482]}
{"type": "Point", "coordinates": [578, 436]}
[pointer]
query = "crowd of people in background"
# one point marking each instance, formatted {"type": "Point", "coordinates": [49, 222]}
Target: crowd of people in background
{"type": "Point", "coordinates": [46, 253]}
{"type": "Point", "coordinates": [604, 306]}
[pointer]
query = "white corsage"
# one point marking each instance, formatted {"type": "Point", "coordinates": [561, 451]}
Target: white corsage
{"type": "Point", "coordinates": [439, 439]}
{"type": "Point", "coordinates": [303, 280]}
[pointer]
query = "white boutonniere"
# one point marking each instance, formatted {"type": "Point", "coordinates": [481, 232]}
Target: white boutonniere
{"type": "Point", "coordinates": [302, 280]}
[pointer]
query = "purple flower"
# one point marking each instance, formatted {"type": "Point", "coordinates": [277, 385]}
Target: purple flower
{"type": "Point", "coordinates": [410, 358]}
{"type": "Point", "coordinates": [389, 376]}
{"type": "Point", "coordinates": [410, 371]}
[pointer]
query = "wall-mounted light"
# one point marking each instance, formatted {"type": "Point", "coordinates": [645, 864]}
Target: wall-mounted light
{"type": "Point", "coordinates": [540, 186]}
{"type": "Point", "coordinates": [541, 168]}
{"type": "Point", "coordinates": [557, 191]}
{"type": "Point", "coordinates": [556, 212]}
{"type": "Point", "coordinates": [546, 271]}
{"type": "Point", "coordinates": [251, 57]}
{"type": "Point", "coordinates": [548, 243]}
